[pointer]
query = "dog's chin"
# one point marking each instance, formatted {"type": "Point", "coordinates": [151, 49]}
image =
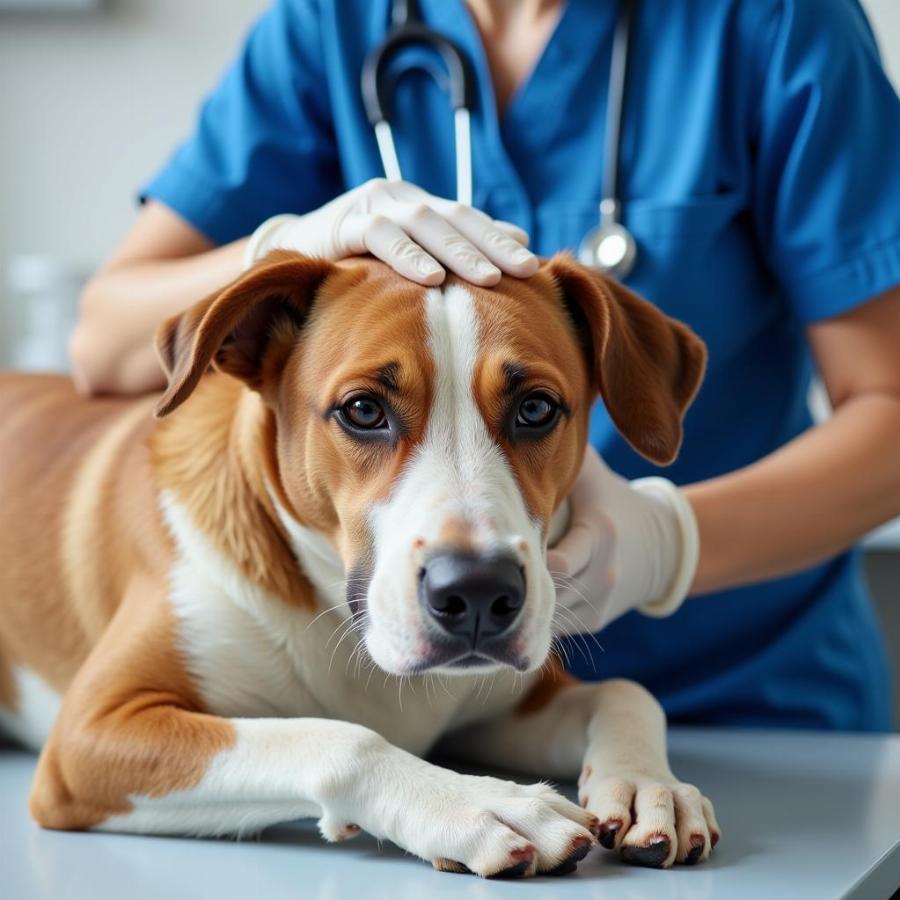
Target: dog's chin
{"type": "Point", "coordinates": [473, 662]}
{"type": "Point", "coordinates": [444, 658]}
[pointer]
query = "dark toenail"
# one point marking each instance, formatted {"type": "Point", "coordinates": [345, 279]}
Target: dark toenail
{"type": "Point", "coordinates": [564, 868]}
{"type": "Point", "coordinates": [516, 871]}
{"type": "Point", "coordinates": [694, 856]}
{"type": "Point", "coordinates": [580, 849]}
{"type": "Point", "coordinates": [714, 838]}
{"type": "Point", "coordinates": [653, 854]}
{"type": "Point", "coordinates": [608, 832]}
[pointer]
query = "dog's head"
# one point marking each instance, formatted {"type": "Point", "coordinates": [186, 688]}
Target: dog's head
{"type": "Point", "coordinates": [430, 434]}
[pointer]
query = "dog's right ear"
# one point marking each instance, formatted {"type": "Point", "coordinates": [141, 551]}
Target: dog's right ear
{"type": "Point", "coordinates": [236, 328]}
{"type": "Point", "coordinates": [646, 366]}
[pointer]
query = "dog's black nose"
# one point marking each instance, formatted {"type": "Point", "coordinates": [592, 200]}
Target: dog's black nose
{"type": "Point", "coordinates": [471, 596]}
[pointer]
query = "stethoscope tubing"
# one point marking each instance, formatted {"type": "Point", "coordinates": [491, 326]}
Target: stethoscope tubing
{"type": "Point", "coordinates": [407, 29]}
{"type": "Point", "coordinates": [610, 246]}
{"type": "Point", "coordinates": [618, 68]}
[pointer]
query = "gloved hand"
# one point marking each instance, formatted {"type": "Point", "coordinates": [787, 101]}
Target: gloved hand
{"type": "Point", "coordinates": [409, 229]}
{"type": "Point", "coordinates": [629, 545]}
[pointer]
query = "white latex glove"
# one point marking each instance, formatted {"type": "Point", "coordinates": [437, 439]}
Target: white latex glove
{"type": "Point", "coordinates": [414, 232]}
{"type": "Point", "coordinates": [629, 545]}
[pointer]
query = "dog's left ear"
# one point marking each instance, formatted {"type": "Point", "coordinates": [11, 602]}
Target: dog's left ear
{"type": "Point", "coordinates": [238, 328]}
{"type": "Point", "coordinates": [646, 366]}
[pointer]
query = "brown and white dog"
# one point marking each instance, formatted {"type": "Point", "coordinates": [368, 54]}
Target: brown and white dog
{"type": "Point", "coordinates": [191, 610]}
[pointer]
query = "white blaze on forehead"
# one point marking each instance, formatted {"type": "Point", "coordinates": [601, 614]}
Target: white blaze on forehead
{"type": "Point", "coordinates": [458, 471]}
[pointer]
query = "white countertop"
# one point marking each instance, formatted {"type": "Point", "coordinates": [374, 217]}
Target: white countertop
{"type": "Point", "coordinates": [804, 815]}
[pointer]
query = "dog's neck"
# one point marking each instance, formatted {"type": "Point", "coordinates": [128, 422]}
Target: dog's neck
{"type": "Point", "coordinates": [317, 557]}
{"type": "Point", "coordinates": [213, 462]}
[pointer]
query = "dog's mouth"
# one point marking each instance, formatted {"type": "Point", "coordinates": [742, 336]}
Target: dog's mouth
{"type": "Point", "coordinates": [454, 659]}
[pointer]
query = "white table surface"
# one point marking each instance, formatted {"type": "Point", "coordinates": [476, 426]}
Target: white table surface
{"type": "Point", "coordinates": [804, 815]}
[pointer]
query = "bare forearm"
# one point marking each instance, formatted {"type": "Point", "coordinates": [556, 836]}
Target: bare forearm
{"type": "Point", "coordinates": [122, 306]}
{"type": "Point", "coordinates": [805, 502]}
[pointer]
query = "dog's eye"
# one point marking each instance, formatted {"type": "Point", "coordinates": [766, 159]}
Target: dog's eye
{"type": "Point", "coordinates": [537, 411]}
{"type": "Point", "coordinates": [365, 413]}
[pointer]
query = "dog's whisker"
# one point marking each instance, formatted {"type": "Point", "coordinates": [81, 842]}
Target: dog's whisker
{"type": "Point", "coordinates": [354, 627]}
{"type": "Point", "coordinates": [325, 612]}
{"type": "Point", "coordinates": [565, 653]}
{"type": "Point", "coordinates": [574, 618]}
{"type": "Point", "coordinates": [344, 623]}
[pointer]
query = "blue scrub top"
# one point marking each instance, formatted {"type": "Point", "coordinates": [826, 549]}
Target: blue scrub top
{"type": "Point", "coordinates": [762, 182]}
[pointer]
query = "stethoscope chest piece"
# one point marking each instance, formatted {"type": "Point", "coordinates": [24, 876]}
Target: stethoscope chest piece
{"type": "Point", "coordinates": [610, 247]}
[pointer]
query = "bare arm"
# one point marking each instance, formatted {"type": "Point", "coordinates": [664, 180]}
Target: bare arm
{"type": "Point", "coordinates": [824, 490]}
{"type": "Point", "coordinates": [162, 267]}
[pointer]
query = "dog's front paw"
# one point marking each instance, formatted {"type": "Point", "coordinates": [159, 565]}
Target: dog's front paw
{"type": "Point", "coordinates": [650, 821]}
{"type": "Point", "coordinates": [498, 828]}
{"type": "Point", "coordinates": [465, 823]}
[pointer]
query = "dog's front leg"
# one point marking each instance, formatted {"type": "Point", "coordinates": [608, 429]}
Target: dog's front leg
{"type": "Point", "coordinates": [133, 750]}
{"type": "Point", "coordinates": [612, 736]}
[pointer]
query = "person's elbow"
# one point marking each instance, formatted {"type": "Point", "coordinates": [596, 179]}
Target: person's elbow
{"type": "Point", "coordinates": [90, 355]}
{"type": "Point", "coordinates": [101, 356]}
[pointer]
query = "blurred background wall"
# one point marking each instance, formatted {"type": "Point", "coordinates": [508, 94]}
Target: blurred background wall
{"type": "Point", "coordinates": [91, 104]}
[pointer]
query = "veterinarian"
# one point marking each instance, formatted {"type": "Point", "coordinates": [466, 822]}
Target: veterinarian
{"type": "Point", "coordinates": [759, 177]}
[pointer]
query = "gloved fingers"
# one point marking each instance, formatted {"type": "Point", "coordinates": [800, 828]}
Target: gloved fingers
{"type": "Point", "coordinates": [573, 553]}
{"type": "Point", "coordinates": [405, 192]}
{"type": "Point", "coordinates": [385, 239]}
{"type": "Point", "coordinates": [505, 251]}
{"type": "Point", "coordinates": [445, 243]}
{"type": "Point", "coordinates": [592, 483]}
{"type": "Point", "coordinates": [465, 240]}
{"type": "Point", "coordinates": [513, 230]}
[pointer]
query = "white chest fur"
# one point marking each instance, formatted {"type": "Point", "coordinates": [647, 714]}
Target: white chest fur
{"type": "Point", "coordinates": [255, 656]}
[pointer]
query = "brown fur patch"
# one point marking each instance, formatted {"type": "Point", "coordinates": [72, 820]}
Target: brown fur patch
{"type": "Point", "coordinates": [8, 693]}
{"type": "Point", "coordinates": [456, 533]}
{"type": "Point", "coordinates": [523, 324]}
{"type": "Point", "coordinates": [553, 679]}
{"type": "Point", "coordinates": [646, 366]}
{"type": "Point", "coordinates": [47, 435]}
{"type": "Point", "coordinates": [132, 721]}
{"type": "Point", "coordinates": [94, 581]}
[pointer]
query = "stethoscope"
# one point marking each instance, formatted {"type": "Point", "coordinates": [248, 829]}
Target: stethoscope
{"type": "Point", "coordinates": [609, 246]}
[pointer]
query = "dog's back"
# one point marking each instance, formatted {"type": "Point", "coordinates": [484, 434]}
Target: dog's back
{"type": "Point", "coordinates": [55, 450]}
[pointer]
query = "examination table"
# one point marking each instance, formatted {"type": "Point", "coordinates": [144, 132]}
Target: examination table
{"type": "Point", "coordinates": [804, 815]}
